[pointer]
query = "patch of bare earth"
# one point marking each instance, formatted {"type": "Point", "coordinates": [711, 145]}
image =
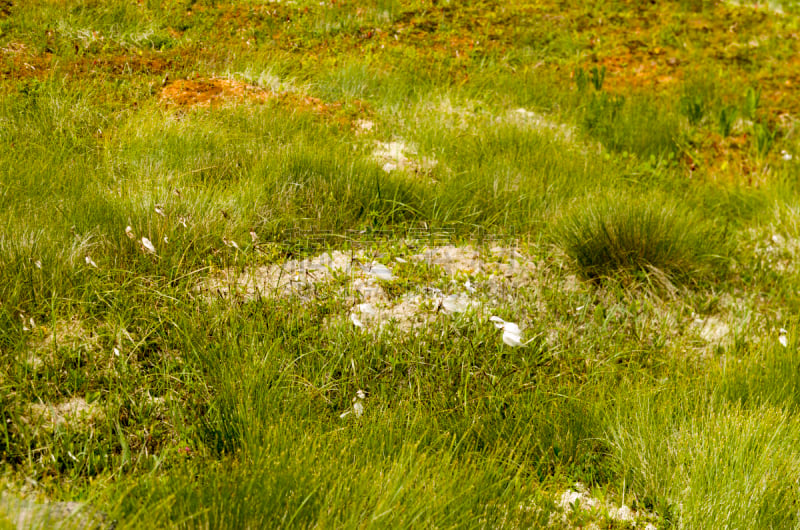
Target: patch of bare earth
{"type": "Point", "coordinates": [45, 340]}
{"type": "Point", "coordinates": [26, 513]}
{"type": "Point", "coordinates": [603, 512]}
{"type": "Point", "coordinates": [401, 156]}
{"type": "Point", "coordinates": [75, 413]}
{"type": "Point", "coordinates": [468, 280]}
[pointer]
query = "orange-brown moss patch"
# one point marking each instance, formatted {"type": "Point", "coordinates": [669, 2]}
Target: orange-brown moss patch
{"type": "Point", "coordinates": [212, 92]}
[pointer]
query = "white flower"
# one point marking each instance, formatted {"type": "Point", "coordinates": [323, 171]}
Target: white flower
{"type": "Point", "coordinates": [253, 237]}
{"type": "Point", "coordinates": [786, 155]}
{"type": "Point", "coordinates": [783, 338]}
{"type": "Point", "coordinates": [148, 246]}
{"type": "Point", "coordinates": [166, 239]}
{"type": "Point", "coordinates": [129, 232]}
{"type": "Point", "coordinates": [380, 271]}
{"type": "Point", "coordinates": [89, 261]}
{"type": "Point", "coordinates": [512, 335]}
{"type": "Point", "coordinates": [469, 287]}
{"type": "Point", "coordinates": [182, 221]}
{"type": "Point", "coordinates": [116, 352]}
{"type": "Point", "coordinates": [160, 211]}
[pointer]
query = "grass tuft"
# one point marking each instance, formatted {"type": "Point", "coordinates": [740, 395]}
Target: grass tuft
{"type": "Point", "coordinates": [641, 237]}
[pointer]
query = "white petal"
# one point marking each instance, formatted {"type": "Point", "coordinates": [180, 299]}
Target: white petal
{"type": "Point", "coordinates": [166, 239]}
{"type": "Point", "coordinates": [784, 340]}
{"type": "Point", "coordinates": [360, 394]}
{"type": "Point", "coordinates": [400, 260]}
{"type": "Point", "coordinates": [253, 237]}
{"type": "Point", "coordinates": [159, 211]}
{"type": "Point", "coordinates": [129, 232]}
{"type": "Point", "coordinates": [469, 287]}
{"type": "Point", "coordinates": [90, 262]}
{"type": "Point", "coordinates": [345, 413]}
{"type": "Point", "coordinates": [511, 327]}
{"type": "Point", "coordinates": [356, 322]}
{"type": "Point", "coordinates": [358, 408]}
{"type": "Point", "coordinates": [148, 246]}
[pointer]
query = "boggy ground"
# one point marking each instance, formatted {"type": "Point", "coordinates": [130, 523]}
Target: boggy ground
{"type": "Point", "coordinates": [252, 252]}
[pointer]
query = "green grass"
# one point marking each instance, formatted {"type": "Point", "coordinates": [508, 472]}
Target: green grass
{"type": "Point", "coordinates": [164, 391]}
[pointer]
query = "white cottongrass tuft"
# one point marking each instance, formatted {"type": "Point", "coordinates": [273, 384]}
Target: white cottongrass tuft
{"type": "Point", "coordinates": [455, 303]}
{"type": "Point", "coordinates": [784, 338]}
{"type": "Point", "coordinates": [363, 309]}
{"type": "Point", "coordinates": [147, 245]}
{"type": "Point", "coordinates": [358, 405]}
{"type": "Point", "coordinates": [26, 322]}
{"type": "Point", "coordinates": [512, 335]}
{"type": "Point", "coordinates": [356, 321]}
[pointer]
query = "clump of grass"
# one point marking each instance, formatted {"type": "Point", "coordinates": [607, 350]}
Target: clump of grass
{"type": "Point", "coordinates": [647, 238]}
